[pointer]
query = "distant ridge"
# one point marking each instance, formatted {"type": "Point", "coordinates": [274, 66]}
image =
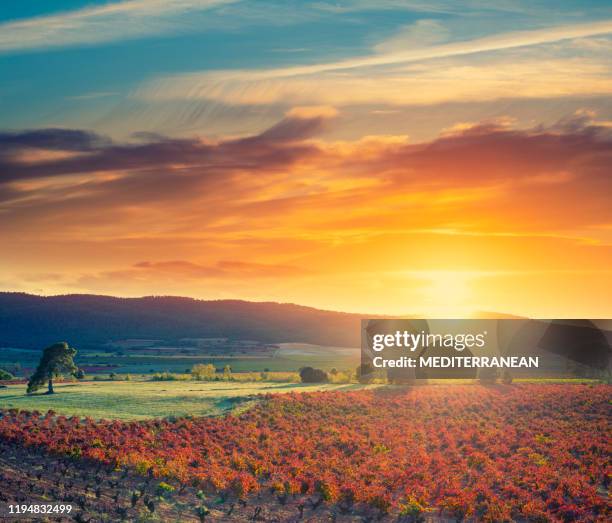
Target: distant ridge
{"type": "Point", "coordinates": [32, 321]}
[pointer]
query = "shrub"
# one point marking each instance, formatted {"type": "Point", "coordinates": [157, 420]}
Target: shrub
{"type": "Point", "coordinates": [168, 376]}
{"type": "Point", "coordinates": [164, 488]}
{"type": "Point", "coordinates": [310, 375]}
{"type": "Point", "coordinates": [203, 372]}
{"type": "Point", "coordinates": [412, 509]}
{"type": "Point", "coordinates": [340, 377]}
{"type": "Point", "coordinates": [4, 375]}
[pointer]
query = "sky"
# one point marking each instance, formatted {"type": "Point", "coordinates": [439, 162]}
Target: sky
{"type": "Point", "coordinates": [434, 158]}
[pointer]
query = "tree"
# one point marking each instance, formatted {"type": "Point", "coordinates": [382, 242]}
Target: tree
{"type": "Point", "coordinates": [56, 359]}
{"type": "Point", "coordinates": [310, 375]}
{"type": "Point", "coordinates": [227, 373]}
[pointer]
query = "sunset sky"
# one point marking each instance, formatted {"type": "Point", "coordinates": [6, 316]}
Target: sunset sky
{"type": "Point", "coordinates": [435, 158]}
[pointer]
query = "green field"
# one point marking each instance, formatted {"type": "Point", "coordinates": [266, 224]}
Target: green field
{"type": "Point", "coordinates": [146, 399]}
{"type": "Point", "coordinates": [286, 357]}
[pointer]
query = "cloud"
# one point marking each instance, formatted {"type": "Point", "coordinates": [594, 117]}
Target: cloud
{"type": "Point", "coordinates": [285, 215]}
{"type": "Point", "coordinates": [438, 6]}
{"type": "Point", "coordinates": [114, 21]}
{"type": "Point", "coordinates": [422, 33]}
{"type": "Point", "coordinates": [313, 111]}
{"type": "Point", "coordinates": [93, 95]}
{"type": "Point", "coordinates": [277, 146]}
{"type": "Point", "coordinates": [221, 269]}
{"type": "Point", "coordinates": [133, 19]}
{"type": "Point", "coordinates": [178, 276]}
{"type": "Point", "coordinates": [53, 139]}
{"type": "Point", "coordinates": [412, 72]}
{"type": "Point", "coordinates": [284, 181]}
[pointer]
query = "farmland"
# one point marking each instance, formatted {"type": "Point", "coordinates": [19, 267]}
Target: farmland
{"type": "Point", "coordinates": [133, 400]}
{"type": "Point", "coordinates": [537, 452]}
{"type": "Point", "coordinates": [146, 357]}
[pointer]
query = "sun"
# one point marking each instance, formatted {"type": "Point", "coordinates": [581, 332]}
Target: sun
{"type": "Point", "coordinates": [448, 294]}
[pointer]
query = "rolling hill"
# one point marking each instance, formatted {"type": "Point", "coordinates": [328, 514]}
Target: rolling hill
{"type": "Point", "coordinates": [32, 321]}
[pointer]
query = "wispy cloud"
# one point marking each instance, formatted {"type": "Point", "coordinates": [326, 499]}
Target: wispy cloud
{"type": "Point", "coordinates": [438, 6]}
{"type": "Point", "coordinates": [490, 43]}
{"type": "Point", "coordinates": [94, 95]}
{"type": "Point", "coordinates": [125, 20]}
{"type": "Point", "coordinates": [400, 60]}
{"type": "Point", "coordinates": [439, 82]}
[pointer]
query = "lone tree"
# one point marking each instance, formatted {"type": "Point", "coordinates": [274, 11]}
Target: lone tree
{"type": "Point", "coordinates": [57, 359]}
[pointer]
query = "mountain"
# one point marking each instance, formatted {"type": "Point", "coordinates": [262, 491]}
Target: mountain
{"type": "Point", "coordinates": [31, 321]}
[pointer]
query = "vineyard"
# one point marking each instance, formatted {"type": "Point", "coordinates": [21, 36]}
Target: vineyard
{"type": "Point", "coordinates": [521, 452]}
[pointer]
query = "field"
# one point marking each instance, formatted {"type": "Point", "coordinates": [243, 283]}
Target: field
{"type": "Point", "coordinates": [523, 452]}
{"type": "Point", "coordinates": [132, 358]}
{"type": "Point", "coordinates": [132, 400]}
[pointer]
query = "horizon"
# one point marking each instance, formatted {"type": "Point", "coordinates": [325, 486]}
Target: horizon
{"type": "Point", "coordinates": [476, 314]}
{"type": "Point", "coordinates": [439, 160]}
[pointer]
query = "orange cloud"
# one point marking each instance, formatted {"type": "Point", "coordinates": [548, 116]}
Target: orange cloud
{"type": "Point", "coordinates": [222, 269]}
{"type": "Point", "coordinates": [332, 224]}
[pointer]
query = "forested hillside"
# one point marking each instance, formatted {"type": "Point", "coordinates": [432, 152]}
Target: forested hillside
{"type": "Point", "coordinates": [35, 321]}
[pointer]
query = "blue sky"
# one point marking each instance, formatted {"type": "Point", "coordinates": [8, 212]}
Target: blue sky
{"type": "Point", "coordinates": [87, 64]}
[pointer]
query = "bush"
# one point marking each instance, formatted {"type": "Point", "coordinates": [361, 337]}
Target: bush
{"type": "Point", "coordinates": [203, 372]}
{"type": "Point", "coordinates": [412, 510]}
{"type": "Point", "coordinates": [4, 375]}
{"type": "Point", "coordinates": [168, 376]}
{"type": "Point", "coordinates": [164, 488]}
{"type": "Point", "coordinates": [340, 377]}
{"type": "Point", "coordinates": [310, 375]}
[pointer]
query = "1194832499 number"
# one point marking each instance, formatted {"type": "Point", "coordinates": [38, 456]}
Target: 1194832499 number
{"type": "Point", "coordinates": [44, 508]}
